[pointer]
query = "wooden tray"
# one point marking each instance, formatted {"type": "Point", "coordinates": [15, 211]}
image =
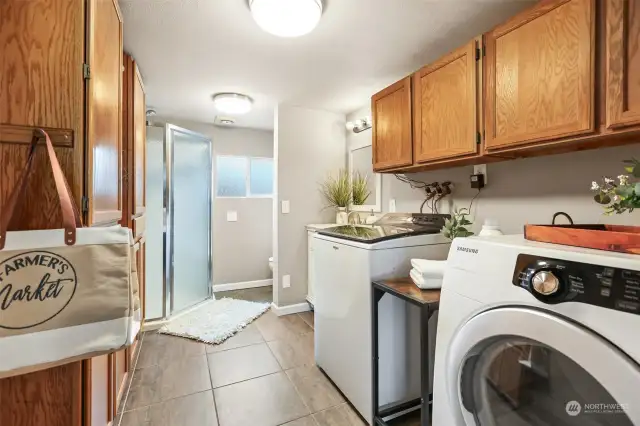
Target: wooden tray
{"type": "Point", "coordinates": [619, 238]}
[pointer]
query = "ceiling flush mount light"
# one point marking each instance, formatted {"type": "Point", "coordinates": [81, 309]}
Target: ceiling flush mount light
{"type": "Point", "coordinates": [286, 18]}
{"type": "Point", "coordinates": [232, 103]}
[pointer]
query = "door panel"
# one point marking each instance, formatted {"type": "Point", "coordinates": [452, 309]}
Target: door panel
{"type": "Point", "coordinates": [391, 109]}
{"type": "Point", "coordinates": [104, 113]}
{"type": "Point", "coordinates": [540, 74]}
{"type": "Point", "coordinates": [41, 89]}
{"type": "Point", "coordinates": [445, 119]}
{"type": "Point", "coordinates": [139, 129]}
{"type": "Point", "coordinates": [120, 373]}
{"type": "Point", "coordinates": [191, 205]}
{"type": "Point", "coordinates": [623, 63]}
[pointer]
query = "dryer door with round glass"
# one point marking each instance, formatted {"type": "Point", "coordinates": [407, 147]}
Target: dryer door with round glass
{"type": "Point", "coordinates": [522, 366]}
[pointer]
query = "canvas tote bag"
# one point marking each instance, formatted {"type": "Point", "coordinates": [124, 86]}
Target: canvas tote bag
{"type": "Point", "coordinates": [65, 294]}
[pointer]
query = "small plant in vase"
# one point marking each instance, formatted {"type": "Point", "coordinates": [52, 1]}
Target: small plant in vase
{"type": "Point", "coordinates": [338, 192]}
{"type": "Point", "coordinates": [360, 188]}
{"type": "Point", "coordinates": [621, 195]}
{"type": "Point", "coordinates": [457, 225]}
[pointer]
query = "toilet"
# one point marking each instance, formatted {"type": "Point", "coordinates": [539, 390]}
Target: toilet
{"type": "Point", "coordinates": [271, 263]}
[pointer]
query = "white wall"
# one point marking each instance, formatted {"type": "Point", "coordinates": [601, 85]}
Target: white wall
{"type": "Point", "coordinates": [519, 191]}
{"type": "Point", "coordinates": [309, 144]}
{"type": "Point", "coordinates": [234, 258]}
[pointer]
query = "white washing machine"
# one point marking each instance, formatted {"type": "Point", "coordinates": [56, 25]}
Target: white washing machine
{"type": "Point", "coordinates": [344, 269]}
{"type": "Point", "coordinates": [537, 334]}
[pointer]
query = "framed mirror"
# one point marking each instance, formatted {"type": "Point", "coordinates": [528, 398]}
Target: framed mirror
{"type": "Point", "coordinates": [361, 160]}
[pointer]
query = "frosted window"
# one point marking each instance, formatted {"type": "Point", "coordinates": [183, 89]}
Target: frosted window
{"type": "Point", "coordinates": [261, 176]}
{"type": "Point", "coordinates": [231, 176]}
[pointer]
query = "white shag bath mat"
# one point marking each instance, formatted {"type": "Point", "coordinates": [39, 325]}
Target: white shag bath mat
{"type": "Point", "coordinates": [215, 321]}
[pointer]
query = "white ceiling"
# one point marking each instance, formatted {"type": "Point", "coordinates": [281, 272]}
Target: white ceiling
{"type": "Point", "coordinates": [188, 50]}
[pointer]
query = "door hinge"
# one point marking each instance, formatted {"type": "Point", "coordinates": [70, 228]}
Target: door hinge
{"type": "Point", "coordinates": [484, 50]}
{"type": "Point", "coordinates": [85, 204]}
{"type": "Point", "coordinates": [477, 53]}
{"type": "Point", "coordinates": [478, 138]}
{"type": "Point", "coordinates": [86, 71]}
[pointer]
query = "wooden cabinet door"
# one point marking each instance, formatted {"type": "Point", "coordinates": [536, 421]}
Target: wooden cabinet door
{"type": "Point", "coordinates": [540, 73]}
{"type": "Point", "coordinates": [622, 63]}
{"type": "Point", "coordinates": [104, 112]}
{"type": "Point", "coordinates": [445, 121]}
{"type": "Point", "coordinates": [41, 85]}
{"type": "Point", "coordinates": [140, 142]}
{"type": "Point", "coordinates": [120, 364]}
{"type": "Point", "coordinates": [391, 110]}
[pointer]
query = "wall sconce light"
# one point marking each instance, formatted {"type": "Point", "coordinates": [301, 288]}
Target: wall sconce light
{"type": "Point", "coordinates": [360, 125]}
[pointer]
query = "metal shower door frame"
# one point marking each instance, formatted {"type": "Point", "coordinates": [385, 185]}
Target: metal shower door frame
{"type": "Point", "coordinates": [169, 288]}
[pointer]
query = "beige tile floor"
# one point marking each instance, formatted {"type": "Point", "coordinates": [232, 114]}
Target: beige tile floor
{"type": "Point", "coordinates": [263, 376]}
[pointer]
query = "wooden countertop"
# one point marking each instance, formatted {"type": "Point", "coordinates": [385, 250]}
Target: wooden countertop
{"type": "Point", "coordinates": [405, 288]}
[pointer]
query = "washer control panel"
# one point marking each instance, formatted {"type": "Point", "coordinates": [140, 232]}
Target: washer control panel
{"type": "Point", "coordinates": [555, 281]}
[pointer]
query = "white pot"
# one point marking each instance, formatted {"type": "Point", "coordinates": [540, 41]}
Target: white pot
{"type": "Point", "coordinates": [342, 217]}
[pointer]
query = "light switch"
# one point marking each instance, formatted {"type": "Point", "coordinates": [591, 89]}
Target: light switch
{"type": "Point", "coordinates": [392, 205]}
{"type": "Point", "coordinates": [232, 216]}
{"type": "Point", "coordinates": [285, 207]}
{"type": "Point", "coordinates": [286, 281]}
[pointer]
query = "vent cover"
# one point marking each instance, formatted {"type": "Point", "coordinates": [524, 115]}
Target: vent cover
{"type": "Point", "coordinates": [224, 121]}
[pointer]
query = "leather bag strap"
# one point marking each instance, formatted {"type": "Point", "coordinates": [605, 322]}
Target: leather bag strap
{"type": "Point", "coordinates": [70, 215]}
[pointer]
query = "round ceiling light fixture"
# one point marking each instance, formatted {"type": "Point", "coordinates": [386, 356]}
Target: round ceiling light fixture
{"type": "Point", "coordinates": [286, 18]}
{"type": "Point", "coordinates": [232, 103]}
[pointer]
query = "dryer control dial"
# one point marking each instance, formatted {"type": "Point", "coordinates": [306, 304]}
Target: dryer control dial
{"type": "Point", "coordinates": [545, 283]}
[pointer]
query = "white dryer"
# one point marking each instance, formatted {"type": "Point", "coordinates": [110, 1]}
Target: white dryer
{"type": "Point", "coordinates": [537, 334]}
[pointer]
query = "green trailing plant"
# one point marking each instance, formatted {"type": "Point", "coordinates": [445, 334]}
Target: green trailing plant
{"type": "Point", "coordinates": [457, 225]}
{"type": "Point", "coordinates": [621, 195]}
{"type": "Point", "coordinates": [360, 188]}
{"type": "Point", "coordinates": [337, 190]}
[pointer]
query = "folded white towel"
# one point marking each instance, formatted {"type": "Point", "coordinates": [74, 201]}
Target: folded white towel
{"type": "Point", "coordinates": [429, 268]}
{"type": "Point", "coordinates": [425, 283]}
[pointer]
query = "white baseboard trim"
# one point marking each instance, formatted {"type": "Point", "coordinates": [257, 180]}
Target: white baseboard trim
{"type": "Point", "coordinates": [153, 325]}
{"type": "Point", "coordinates": [290, 309]}
{"type": "Point", "coordinates": [242, 285]}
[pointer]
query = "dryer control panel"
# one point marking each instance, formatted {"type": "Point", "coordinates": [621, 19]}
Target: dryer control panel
{"type": "Point", "coordinates": [556, 281]}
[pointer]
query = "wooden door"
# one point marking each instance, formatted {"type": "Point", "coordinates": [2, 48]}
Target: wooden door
{"type": "Point", "coordinates": [41, 85]}
{"type": "Point", "coordinates": [622, 63]}
{"type": "Point", "coordinates": [540, 73]}
{"type": "Point", "coordinates": [104, 113]}
{"type": "Point", "coordinates": [391, 110]}
{"type": "Point", "coordinates": [140, 142]}
{"type": "Point", "coordinates": [120, 364]}
{"type": "Point", "coordinates": [445, 99]}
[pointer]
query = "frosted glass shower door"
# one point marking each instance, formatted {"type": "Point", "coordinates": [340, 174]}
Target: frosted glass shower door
{"type": "Point", "coordinates": [190, 217]}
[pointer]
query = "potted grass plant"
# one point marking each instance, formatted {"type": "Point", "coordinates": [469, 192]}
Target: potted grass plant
{"type": "Point", "coordinates": [360, 188]}
{"type": "Point", "coordinates": [338, 192]}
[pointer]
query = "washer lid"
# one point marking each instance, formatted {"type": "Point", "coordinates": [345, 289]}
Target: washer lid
{"type": "Point", "coordinates": [521, 366]}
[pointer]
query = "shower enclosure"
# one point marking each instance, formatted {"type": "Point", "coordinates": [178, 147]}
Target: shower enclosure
{"type": "Point", "coordinates": [179, 208]}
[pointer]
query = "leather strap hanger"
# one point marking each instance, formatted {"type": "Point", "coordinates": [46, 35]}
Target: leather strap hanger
{"type": "Point", "coordinates": [70, 215]}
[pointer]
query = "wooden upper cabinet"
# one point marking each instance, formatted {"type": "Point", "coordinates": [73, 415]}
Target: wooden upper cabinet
{"type": "Point", "coordinates": [622, 63]}
{"type": "Point", "coordinates": [140, 142]}
{"type": "Point", "coordinates": [391, 110]}
{"type": "Point", "coordinates": [445, 122]}
{"type": "Point", "coordinates": [104, 113]}
{"type": "Point", "coordinates": [540, 75]}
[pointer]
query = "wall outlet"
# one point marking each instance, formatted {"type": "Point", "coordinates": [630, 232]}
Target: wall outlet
{"type": "Point", "coordinates": [286, 281]}
{"type": "Point", "coordinates": [481, 169]}
{"type": "Point", "coordinates": [232, 216]}
{"type": "Point", "coordinates": [392, 205]}
{"type": "Point", "coordinates": [286, 208]}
